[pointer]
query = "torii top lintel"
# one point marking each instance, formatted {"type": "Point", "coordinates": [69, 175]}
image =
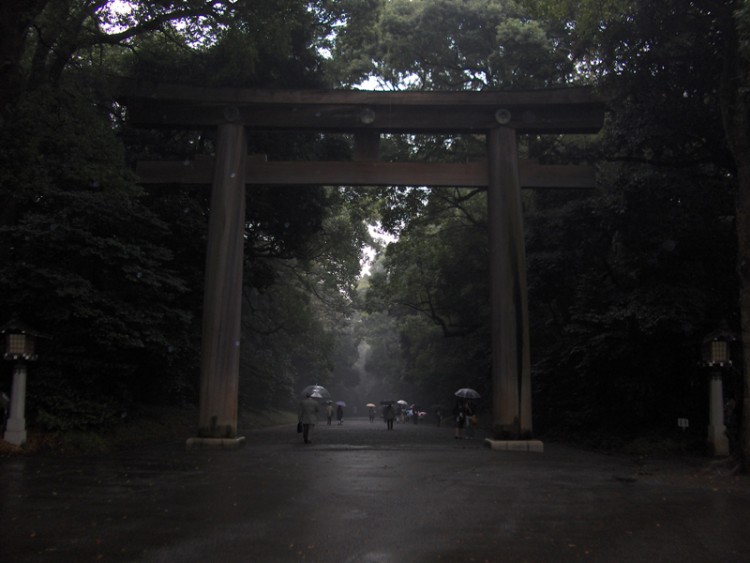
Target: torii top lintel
{"type": "Point", "coordinates": [560, 110]}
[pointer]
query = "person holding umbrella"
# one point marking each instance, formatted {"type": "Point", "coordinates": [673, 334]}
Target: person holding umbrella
{"type": "Point", "coordinates": [400, 414]}
{"type": "Point", "coordinates": [340, 412]}
{"type": "Point", "coordinates": [459, 417]}
{"type": "Point", "coordinates": [308, 415]}
{"type": "Point", "coordinates": [461, 410]}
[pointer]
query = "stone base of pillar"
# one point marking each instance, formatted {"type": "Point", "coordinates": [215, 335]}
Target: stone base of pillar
{"type": "Point", "coordinates": [215, 443]}
{"type": "Point", "coordinates": [515, 445]}
{"type": "Point", "coordinates": [15, 432]}
{"type": "Point", "coordinates": [718, 443]}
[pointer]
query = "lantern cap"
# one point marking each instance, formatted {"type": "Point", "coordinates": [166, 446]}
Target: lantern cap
{"type": "Point", "coordinates": [14, 326]}
{"type": "Point", "coordinates": [723, 333]}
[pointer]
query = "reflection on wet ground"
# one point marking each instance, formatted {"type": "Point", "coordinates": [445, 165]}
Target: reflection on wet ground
{"type": "Point", "coordinates": [361, 493]}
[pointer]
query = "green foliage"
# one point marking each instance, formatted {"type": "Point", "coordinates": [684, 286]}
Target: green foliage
{"type": "Point", "coordinates": [81, 256]}
{"type": "Point", "coordinates": [384, 359]}
{"type": "Point", "coordinates": [649, 265]}
{"type": "Point", "coordinates": [449, 44]}
{"type": "Point", "coordinates": [285, 345]}
{"type": "Point", "coordinates": [114, 272]}
{"type": "Point", "coordinates": [433, 284]}
{"type": "Point", "coordinates": [256, 44]}
{"type": "Point", "coordinates": [61, 414]}
{"type": "Point", "coordinates": [618, 311]}
{"type": "Point", "coordinates": [296, 329]}
{"type": "Point", "coordinates": [623, 282]}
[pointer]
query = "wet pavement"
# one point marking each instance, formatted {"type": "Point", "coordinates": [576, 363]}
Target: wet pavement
{"type": "Point", "coordinates": [360, 493]}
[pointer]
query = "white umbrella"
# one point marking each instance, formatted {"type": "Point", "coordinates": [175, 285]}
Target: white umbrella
{"type": "Point", "coordinates": [316, 391]}
{"type": "Point", "coordinates": [402, 402]}
{"type": "Point", "coordinates": [467, 393]}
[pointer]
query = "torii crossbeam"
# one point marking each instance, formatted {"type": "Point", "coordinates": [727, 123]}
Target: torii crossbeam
{"type": "Point", "coordinates": [500, 116]}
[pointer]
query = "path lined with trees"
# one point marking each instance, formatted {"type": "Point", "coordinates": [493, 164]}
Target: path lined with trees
{"type": "Point", "coordinates": [624, 281]}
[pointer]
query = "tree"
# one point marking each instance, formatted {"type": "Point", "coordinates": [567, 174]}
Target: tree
{"type": "Point", "coordinates": [662, 61]}
{"type": "Point", "coordinates": [433, 284]}
{"type": "Point", "coordinates": [447, 44]}
{"type": "Point", "coordinates": [382, 355]}
{"type": "Point", "coordinates": [645, 275]}
{"type": "Point", "coordinates": [297, 325]}
{"type": "Point", "coordinates": [115, 271]}
{"type": "Point", "coordinates": [83, 258]}
{"type": "Point", "coordinates": [620, 285]}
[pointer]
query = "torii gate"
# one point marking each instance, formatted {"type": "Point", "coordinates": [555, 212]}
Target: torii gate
{"type": "Point", "coordinates": [500, 116]}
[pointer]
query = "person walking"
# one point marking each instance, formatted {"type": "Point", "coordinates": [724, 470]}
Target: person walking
{"type": "Point", "coordinates": [308, 416]}
{"type": "Point", "coordinates": [390, 416]}
{"type": "Point", "coordinates": [329, 412]}
{"type": "Point", "coordinates": [470, 416]}
{"type": "Point", "coordinates": [372, 413]}
{"type": "Point", "coordinates": [340, 414]}
{"type": "Point", "coordinates": [459, 417]}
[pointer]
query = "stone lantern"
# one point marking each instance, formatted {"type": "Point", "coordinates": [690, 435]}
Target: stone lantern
{"type": "Point", "coordinates": [20, 342]}
{"type": "Point", "coordinates": [717, 357]}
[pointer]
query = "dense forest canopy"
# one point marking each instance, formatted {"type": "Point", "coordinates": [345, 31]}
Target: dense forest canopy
{"type": "Point", "coordinates": [624, 280]}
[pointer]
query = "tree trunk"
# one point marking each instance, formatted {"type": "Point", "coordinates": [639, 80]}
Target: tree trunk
{"type": "Point", "coordinates": [735, 110]}
{"type": "Point", "coordinates": [15, 20]}
{"type": "Point", "coordinates": [743, 251]}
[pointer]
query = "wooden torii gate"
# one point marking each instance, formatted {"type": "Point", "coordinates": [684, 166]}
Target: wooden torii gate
{"type": "Point", "coordinates": [500, 116]}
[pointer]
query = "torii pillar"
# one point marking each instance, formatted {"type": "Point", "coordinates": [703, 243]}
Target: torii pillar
{"type": "Point", "coordinates": [222, 303]}
{"type": "Point", "coordinates": [511, 363]}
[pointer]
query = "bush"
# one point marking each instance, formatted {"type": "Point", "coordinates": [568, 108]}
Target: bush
{"type": "Point", "coordinates": [61, 413]}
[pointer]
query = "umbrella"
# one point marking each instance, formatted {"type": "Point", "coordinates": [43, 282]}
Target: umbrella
{"type": "Point", "coordinates": [341, 403]}
{"type": "Point", "coordinates": [387, 402]}
{"type": "Point", "coordinates": [370, 405]}
{"type": "Point", "coordinates": [402, 402]}
{"type": "Point", "coordinates": [317, 391]}
{"type": "Point", "coordinates": [467, 393]}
